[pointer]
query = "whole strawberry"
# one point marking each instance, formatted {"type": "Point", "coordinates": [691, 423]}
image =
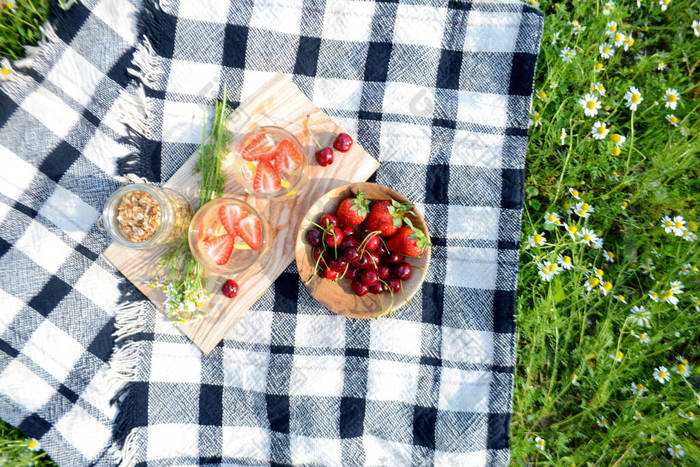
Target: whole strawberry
{"type": "Point", "coordinates": [408, 241]}
{"type": "Point", "coordinates": [386, 216]}
{"type": "Point", "coordinates": [353, 211]}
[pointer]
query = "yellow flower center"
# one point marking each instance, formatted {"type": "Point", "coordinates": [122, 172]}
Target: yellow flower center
{"type": "Point", "coordinates": [538, 238]}
{"type": "Point", "coordinates": [686, 233]}
{"type": "Point", "coordinates": [624, 203]}
{"type": "Point", "coordinates": [575, 192]}
{"type": "Point", "coordinates": [590, 104]}
{"type": "Point", "coordinates": [566, 206]}
{"type": "Point", "coordinates": [681, 368]}
{"type": "Point", "coordinates": [585, 206]}
{"type": "Point", "coordinates": [672, 98]}
{"type": "Point", "coordinates": [586, 237]}
{"type": "Point", "coordinates": [654, 295]}
{"type": "Point", "coordinates": [551, 217]}
{"type": "Point", "coordinates": [662, 64]}
{"type": "Point", "coordinates": [606, 50]}
{"type": "Point", "coordinates": [613, 27]}
{"type": "Point", "coordinates": [615, 138]}
{"type": "Point", "coordinates": [601, 130]}
{"type": "Point", "coordinates": [32, 443]}
{"type": "Point", "coordinates": [618, 37]}
{"type": "Point", "coordinates": [566, 259]}
{"type": "Point", "coordinates": [5, 71]}
{"type": "Point", "coordinates": [599, 272]}
{"type": "Point", "coordinates": [621, 297]}
{"type": "Point", "coordinates": [607, 286]}
{"type": "Point", "coordinates": [662, 374]}
{"type": "Point", "coordinates": [674, 119]}
{"type": "Point", "coordinates": [593, 282]}
{"type": "Point", "coordinates": [668, 294]}
{"type": "Point", "coordinates": [679, 225]}
{"type": "Point", "coordinates": [573, 229]}
{"type": "Point", "coordinates": [635, 98]}
{"type": "Point", "coordinates": [611, 254]}
{"type": "Point", "coordinates": [619, 355]}
{"type": "Point", "coordinates": [542, 94]}
{"type": "Point", "coordinates": [8, 5]}
{"type": "Point", "coordinates": [668, 224]}
{"type": "Point", "coordinates": [553, 268]}
{"type": "Point", "coordinates": [692, 226]}
{"type": "Point", "coordinates": [643, 336]}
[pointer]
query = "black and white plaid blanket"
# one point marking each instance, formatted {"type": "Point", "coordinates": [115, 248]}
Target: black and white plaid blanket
{"type": "Point", "coordinates": [438, 92]}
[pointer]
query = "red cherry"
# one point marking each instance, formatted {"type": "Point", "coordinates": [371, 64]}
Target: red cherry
{"type": "Point", "coordinates": [337, 265]}
{"type": "Point", "coordinates": [369, 277]}
{"type": "Point", "coordinates": [373, 259]}
{"type": "Point", "coordinates": [383, 271]}
{"type": "Point", "coordinates": [314, 236]}
{"type": "Point", "coordinates": [394, 258]}
{"type": "Point", "coordinates": [394, 285]}
{"type": "Point", "coordinates": [324, 157]}
{"type": "Point", "coordinates": [348, 230]}
{"type": "Point", "coordinates": [230, 288]}
{"type": "Point", "coordinates": [343, 142]}
{"type": "Point", "coordinates": [381, 250]}
{"type": "Point", "coordinates": [372, 242]}
{"type": "Point", "coordinates": [352, 272]}
{"type": "Point", "coordinates": [403, 271]}
{"type": "Point", "coordinates": [317, 255]}
{"type": "Point", "coordinates": [334, 236]}
{"type": "Point", "coordinates": [329, 273]}
{"type": "Point", "coordinates": [363, 262]}
{"type": "Point", "coordinates": [349, 242]}
{"type": "Point", "coordinates": [377, 288]}
{"type": "Point", "coordinates": [351, 255]}
{"type": "Point", "coordinates": [359, 288]}
{"type": "Point", "coordinates": [328, 219]}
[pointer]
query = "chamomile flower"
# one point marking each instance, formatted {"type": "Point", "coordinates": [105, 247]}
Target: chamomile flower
{"type": "Point", "coordinates": [576, 27]}
{"type": "Point", "coordinates": [685, 269]}
{"type": "Point", "coordinates": [567, 54]}
{"type": "Point", "coordinates": [696, 302]}
{"type": "Point", "coordinates": [599, 87]}
{"type": "Point", "coordinates": [606, 50]}
{"type": "Point", "coordinates": [608, 8]}
{"type": "Point", "coordinates": [617, 139]}
{"type": "Point", "coordinates": [671, 98]}
{"type": "Point", "coordinates": [552, 218]}
{"type": "Point", "coordinates": [618, 356]}
{"type": "Point", "coordinates": [606, 287]}
{"type": "Point", "coordinates": [555, 37]}
{"type": "Point", "coordinates": [684, 130]}
{"type": "Point", "coordinates": [603, 422]}
{"type": "Point", "coordinates": [574, 380]}
{"type": "Point", "coordinates": [535, 240]}
{"type": "Point", "coordinates": [678, 225]}
{"type": "Point", "coordinates": [637, 415]}
{"type": "Point", "coordinates": [575, 193]}
{"type": "Point", "coordinates": [672, 119]}
{"type": "Point", "coordinates": [536, 120]}
{"type": "Point", "coordinates": [599, 273]}
{"type": "Point", "coordinates": [590, 104]}
{"type": "Point", "coordinates": [667, 224]}
{"type": "Point", "coordinates": [640, 316]}
{"type": "Point", "coordinates": [609, 256]}
{"type": "Point", "coordinates": [7, 4]}
{"type": "Point", "coordinates": [668, 296]}
{"type": "Point", "coordinates": [567, 208]}
{"type": "Point", "coordinates": [591, 283]}
{"type": "Point", "coordinates": [533, 3]}
{"type": "Point", "coordinates": [661, 66]}
{"type": "Point", "coordinates": [664, 4]}
{"type": "Point", "coordinates": [627, 43]}
{"type": "Point", "coordinates": [661, 374]}
{"type": "Point", "coordinates": [541, 95]}
{"type": "Point", "coordinates": [682, 368]}
{"type": "Point", "coordinates": [599, 130]}
{"type": "Point", "coordinates": [587, 236]}
{"type": "Point", "coordinates": [572, 230]}
{"type": "Point", "coordinates": [618, 39]}
{"type": "Point", "coordinates": [676, 450]}
{"type": "Point", "coordinates": [540, 443]}
{"type": "Point", "coordinates": [611, 28]}
{"type": "Point", "coordinates": [621, 298]}
{"type": "Point", "coordinates": [638, 389]}
{"type": "Point", "coordinates": [562, 137]}
{"type": "Point", "coordinates": [688, 236]}
{"type": "Point", "coordinates": [633, 98]}
{"type": "Point", "coordinates": [33, 444]}
{"type": "Point", "coordinates": [677, 287]}
{"type": "Point", "coordinates": [583, 209]}
{"type": "Point", "coordinates": [654, 296]}
{"type": "Point", "coordinates": [687, 415]}
{"type": "Point", "coordinates": [643, 337]}
{"type": "Point", "coordinates": [565, 262]}
{"type": "Point", "coordinates": [547, 270]}
{"type": "Point", "coordinates": [696, 27]}
{"type": "Point", "coordinates": [553, 85]}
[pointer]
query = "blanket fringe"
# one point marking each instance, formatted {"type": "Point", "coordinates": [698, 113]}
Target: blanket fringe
{"type": "Point", "coordinates": [146, 64]}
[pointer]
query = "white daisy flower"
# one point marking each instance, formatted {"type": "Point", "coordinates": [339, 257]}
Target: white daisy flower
{"type": "Point", "coordinates": [672, 119]}
{"type": "Point", "coordinates": [628, 42]}
{"type": "Point", "coordinates": [535, 240]}
{"type": "Point", "coordinates": [688, 235]}
{"type": "Point", "coordinates": [590, 104]}
{"type": "Point", "coordinates": [642, 336]}
{"type": "Point", "coordinates": [618, 356]}
{"type": "Point", "coordinates": [696, 303]}
{"type": "Point", "coordinates": [618, 139]}
{"type": "Point", "coordinates": [606, 50]}
{"type": "Point", "coordinates": [33, 444]}
{"type": "Point", "coordinates": [553, 85]}
{"type": "Point", "coordinates": [599, 130]}
{"type": "Point", "coordinates": [567, 54]}
{"type": "Point", "coordinates": [598, 243]}
{"type": "Point", "coordinates": [583, 209]}
{"type": "Point", "coordinates": [661, 66]}
{"type": "Point", "coordinates": [685, 269]}
{"type": "Point", "coordinates": [571, 230]}
{"type": "Point", "coordinates": [633, 98]}
{"type": "Point", "coordinates": [696, 27]}
{"type": "Point", "coordinates": [684, 130]}
{"type": "Point", "coordinates": [668, 296]}
{"type": "Point", "coordinates": [677, 287]}
{"type": "Point", "coordinates": [653, 296]}
{"type": "Point", "coordinates": [638, 389]}
{"type": "Point", "coordinates": [678, 225]}
{"type": "Point", "coordinates": [535, 120]}
{"type": "Point", "coordinates": [667, 224]}
{"type": "Point", "coordinates": [606, 287]}
{"type": "Point", "coordinates": [608, 8]}
{"type": "Point", "coordinates": [618, 39]}
{"type": "Point", "coordinates": [555, 37]}
{"type": "Point", "coordinates": [609, 256]}
{"type": "Point", "coordinates": [687, 415]}
{"type": "Point", "coordinates": [575, 193]}
{"type": "Point", "coordinates": [676, 450]}
{"type": "Point", "coordinates": [598, 67]}
{"type": "Point", "coordinates": [598, 87]}
{"type": "Point", "coordinates": [611, 28]}
{"type": "Point", "coordinates": [565, 262]}
{"type": "Point", "coordinates": [640, 316]}
{"type": "Point", "coordinates": [661, 374]}
{"type": "Point", "coordinates": [591, 283]}
{"type": "Point", "coordinates": [547, 270]}
{"type": "Point", "coordinates": [664, 4]}
{"type": "Point", "coordinates": [621, 298]}
{"type": "Point", "coordinates": [576, 27]}
{"type": "Point", "coordinates": [637, 415]}
{"type": "Point", "coordinates": [603, 422]}
{"type": "Point", "coordinates": [540, 443]}
{"type": "Point", "coordinates": [574, 380]}
{"type": "Point", "coordinates": [562, 136]}
{"type": "Point", "coordinates": [587, 236]}
{"type": "Point", "coordinates": [552, 218]}
{"type": "Point", "coordinates": [671, 97]}
{"type": "Point", "coordinates": [683, 367]}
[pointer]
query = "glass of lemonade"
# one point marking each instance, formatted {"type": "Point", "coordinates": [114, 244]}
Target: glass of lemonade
{"type": "Point", "coordinates": [228, 235]}
{"type": "Point", "coordinates": [269, 162]}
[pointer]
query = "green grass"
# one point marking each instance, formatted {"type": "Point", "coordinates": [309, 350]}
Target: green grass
{"type": "Point", "coordinates": [564, 329]}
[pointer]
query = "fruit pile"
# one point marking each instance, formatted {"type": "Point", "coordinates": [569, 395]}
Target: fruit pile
{"type": "Point", "coordinates": [325, 155]}
{"type": "Point", "coordinates": [219, 237]}
{"type": "Point", "coordinates": [270, 162]}
{"type": "Point", "coordinates": [366, 244]}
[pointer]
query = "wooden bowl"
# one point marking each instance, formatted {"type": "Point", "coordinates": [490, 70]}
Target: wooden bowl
{"type": "Point", "coordinates": [337, 296]}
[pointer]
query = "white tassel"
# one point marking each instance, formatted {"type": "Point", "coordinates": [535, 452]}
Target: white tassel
{"type": "Point", "coordinates": [36, 55]}
{"type": "Point", "coordinates": [134, 111]}
{"type": "Point", "coordinates": [126, 456]}
{"type": "Point", "coordinates": [147, 64]}
{"type": "Point", "coordinates": [124, 364]}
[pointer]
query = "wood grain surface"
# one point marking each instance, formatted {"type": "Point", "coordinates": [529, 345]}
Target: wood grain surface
{"type": "Point", "coordinates": [337, 296]}
{"type": "Point", "coordinates": [279, 102]}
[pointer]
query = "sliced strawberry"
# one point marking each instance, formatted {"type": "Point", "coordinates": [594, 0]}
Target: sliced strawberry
{"type": "Point", "coordinates": [266, 180]}
{"type": "Point", "coordinates": [219, 248]}
{"type": "Point", "coordinates": [250, 230]}
{"type": "Point", "coordinates": [259, 146]}
{"type": "Point", "coordinates": [230, 214]}
{"type": "Point", "coordinates": [287, 157]}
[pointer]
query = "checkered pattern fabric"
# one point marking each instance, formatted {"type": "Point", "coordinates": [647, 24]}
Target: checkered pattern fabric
{"type": "Point", "coordinates": [60, 153]}
{"type": "Point", "coordinates": [440, 94]}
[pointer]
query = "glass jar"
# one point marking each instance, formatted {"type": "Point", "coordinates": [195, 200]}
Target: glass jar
{"type": "Point", "coordinates": [144, 216]}
{"type": "Point", "coordinates": [274, 157]}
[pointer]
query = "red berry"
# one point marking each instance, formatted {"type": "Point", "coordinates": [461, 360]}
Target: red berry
{"type": "Point", "coordinates": [314, 236]}
{"type": "Point", "coordinates": [230, 288]}
{"type": "Point", "coordinates": [381, 250]}
{"type": "Point", "coordinates": [373, 260]}
{"type": "Point", "coordinates": [359, 288]}
{"type": "Point", "coordinates": [317, 256]}
{"type": "Point", "coordinates": [383, 271]}
{"type": "Point", "coordinates": [334, 236]}
{"type": "Point", "coordinates": [343, 142]}
{"type": "Point", "coordinates": [328, 219]}
{"type": "Point", "coordinates": [348, 230]}
{"type": "Point", "coordinates": [372, 241]}
{"type": "Point", "coordinates": [337, 265]}
{"type": "Point", "coordinates": [324, 157]}
{"type": "Point", "coordinates": [377, 288]}
{"type": "Point", "coordinates": [351, 255]}
{"type": "Point", "coordinates": [369, 277]}
{"type": "Point", "coordinates": [363, 262]}
{"type": "Point", "coordinates": [329, 273]}
{"type": "Point", "coordinates": [394, 258]}
{"type": "Point", "coordinates": [349, 242]}
{"type": "Point", "coordinates": [403, 271]}
{"type": "Point", "coordinates": [352, 272]}
{"type": "Point", "coordinates": [394, 285]}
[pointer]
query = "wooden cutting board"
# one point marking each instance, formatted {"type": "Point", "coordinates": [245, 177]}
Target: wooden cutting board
{"type": "Point", "coordinates": [279, 102]}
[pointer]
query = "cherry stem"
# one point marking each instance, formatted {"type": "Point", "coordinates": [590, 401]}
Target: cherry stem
{"type": "Point", "coordinates": [318, 145]}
